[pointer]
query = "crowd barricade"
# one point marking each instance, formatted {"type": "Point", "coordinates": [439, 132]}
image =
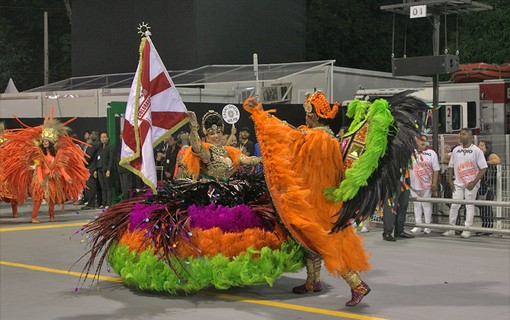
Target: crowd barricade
{"type": "Point", "coordinates": [497, 176]}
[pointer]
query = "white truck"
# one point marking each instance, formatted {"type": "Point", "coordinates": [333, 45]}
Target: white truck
{"type": "Point", "coordinates": [483, 106]}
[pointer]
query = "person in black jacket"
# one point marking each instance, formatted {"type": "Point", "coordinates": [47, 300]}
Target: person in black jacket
{"type": "Point", "coordinates": [394, 216]}
{"type": "Point", "coordinates": [93, 188]}
{"type": "Point", "coordinates": [488, 184]}
{"type": "Point", "coordinates": [126, 177]}
{"type": "Point", "coordinates": [170, 157]}
{"type": "Point", "coordinates": [244, 143]}
{"type": "Point", "coordinates": [104, 166]}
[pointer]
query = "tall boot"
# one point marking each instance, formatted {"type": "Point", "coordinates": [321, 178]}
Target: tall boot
{"type": "Point", "coordinates": [359, 289]}
{"type": "Point", "coordinates": [52, 211]}
{"type": "Point", "coordinates": [35, 211]}
{"type": "Point", "coordinates": [313, 277]}
{"type": "Point", "coordinates": [14, 206]}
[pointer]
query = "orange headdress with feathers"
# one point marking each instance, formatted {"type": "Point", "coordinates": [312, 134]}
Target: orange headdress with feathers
{"type": "Point", "coordinates": [318, 102]}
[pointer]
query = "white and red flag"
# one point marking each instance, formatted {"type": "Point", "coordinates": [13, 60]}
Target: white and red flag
{"type": "Point", "coordinates": [154, 110]}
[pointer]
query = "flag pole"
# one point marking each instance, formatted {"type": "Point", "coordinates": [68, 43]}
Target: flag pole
{"type": "Point", "coordinates": [154, 111]}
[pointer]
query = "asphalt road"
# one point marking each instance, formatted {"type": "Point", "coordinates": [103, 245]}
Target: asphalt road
{"type": "Point", "coordinates": [429, 277]}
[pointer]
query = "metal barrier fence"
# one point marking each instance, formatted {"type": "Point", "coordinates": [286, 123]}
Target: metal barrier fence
{"type": "Point", "coordinates": [497, 177]}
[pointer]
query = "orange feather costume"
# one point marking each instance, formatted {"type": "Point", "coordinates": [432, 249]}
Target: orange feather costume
{"type": "Point", "coordinates": [317, 196]}
{"type": "Point", "coordinates": [29, 171]}
{"type": "Point", "coordinates": [5, 194]}
{"type": "Point", "coordinates": [299, 165]}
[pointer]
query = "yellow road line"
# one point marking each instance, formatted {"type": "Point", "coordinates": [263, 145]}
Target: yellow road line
{"type": "Point", "coordinates": [51, 270]}
{"type": "Point", "coordinates": [212, 294]}
{"type": "Point", "coordinates": [49, 226]}
{"type": "Point", "coordinates": [291, 306]}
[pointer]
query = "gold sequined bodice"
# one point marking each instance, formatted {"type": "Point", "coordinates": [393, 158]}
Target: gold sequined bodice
{"type": "Point", "coordinates": [220, 165]}
{"type": "Point", "coordinates": [353, 145]}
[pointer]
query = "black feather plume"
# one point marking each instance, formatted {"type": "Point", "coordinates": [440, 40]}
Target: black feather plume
{"type": "Point", "coordinates": [386, 179]}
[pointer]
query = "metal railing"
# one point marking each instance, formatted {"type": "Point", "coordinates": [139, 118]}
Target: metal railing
{"type": "Point", "coordinates": [497, 177]}
{"type": "Point", "coordinates": [500, 204]}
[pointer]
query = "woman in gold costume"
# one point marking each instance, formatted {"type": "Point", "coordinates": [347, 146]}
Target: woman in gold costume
{"type": "Point", "coordinates": [219, 229]}
{"type": "Point", "coordinates": [216, 229]}
{"type": "Point", "coordinates": [212, 160]}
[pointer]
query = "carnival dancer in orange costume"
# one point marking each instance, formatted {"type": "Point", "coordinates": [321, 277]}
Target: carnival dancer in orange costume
{"type": "Point", "coordinates": [190, 235]}
{"type": "Point", "coordinates": [320, 185]}
{"type": "Point", "coordinates": [46, 161]}
{"type": "Point", "coordinates": [5, 194]}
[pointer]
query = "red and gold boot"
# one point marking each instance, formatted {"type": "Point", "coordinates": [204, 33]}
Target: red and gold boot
{"type": "Point", "coordinates": [52, 211]}
{"type": "Point", "coordinates": [35, 211]}
{"type": "Point", "coordinates": [359, 289]}
{"type": "Point", "coordinates": [14, 207]}
{"type": "Point", "coordinates": [313, 276]}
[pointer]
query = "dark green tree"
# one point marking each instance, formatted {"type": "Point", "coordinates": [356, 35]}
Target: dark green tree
{"type": "Point", "coordinates": [355, 33]}
{"type": "Point", "coordinates": [485, 36]}
{"type": "Point", "coordinates": [358, 34]}
{"type": "Point", "coordinates": [22, 42]}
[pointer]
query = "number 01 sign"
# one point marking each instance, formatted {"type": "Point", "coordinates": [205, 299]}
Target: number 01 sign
{"type": "Point", "coordinates": [418, 11]}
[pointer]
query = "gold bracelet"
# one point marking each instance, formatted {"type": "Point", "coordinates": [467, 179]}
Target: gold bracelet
{"type": "Point", "coordinates": [198, 153]}
{"type": "Point", "coordinates": [194, 137]}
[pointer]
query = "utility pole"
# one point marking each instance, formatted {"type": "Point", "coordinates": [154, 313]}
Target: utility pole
{"type": "Point", "coordinates": [46, 53]}
{"type": "Point", "coordinates": [435, 87]}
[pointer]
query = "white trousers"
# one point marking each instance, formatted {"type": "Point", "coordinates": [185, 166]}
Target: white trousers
{"type": "Point", "coordinates": [463, 194]}
{"type": "Point", "coordinates": [424, 208]}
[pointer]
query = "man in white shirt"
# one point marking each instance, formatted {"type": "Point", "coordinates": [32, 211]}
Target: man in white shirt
{"type": "Point", "coordinates": [424, 178]}
{"type": "Point", "coordinates": [468, 164]}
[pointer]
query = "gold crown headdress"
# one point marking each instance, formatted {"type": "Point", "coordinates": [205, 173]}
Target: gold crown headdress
{"type": "Point", "coordinates": [318, 102]}
{"type": "Point", "coordinates": [214, 127]}
{"type": "Point", "coordinates": [52, 128]}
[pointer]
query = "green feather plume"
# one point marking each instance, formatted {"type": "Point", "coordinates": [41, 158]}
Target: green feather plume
{"type": "Point", "coordinates": [254, 267]}
{"type": "Point", "coordinates": [380, 119]}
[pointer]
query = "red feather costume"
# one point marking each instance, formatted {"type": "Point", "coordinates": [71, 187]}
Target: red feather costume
{"type": "Point", "coordinates": [5, 194]}
{"type": "Point", "coordinates": [55, 176]}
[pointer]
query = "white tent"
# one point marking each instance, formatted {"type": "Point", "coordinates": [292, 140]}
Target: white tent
{"type": "Point", "coordinates": [11, 87]}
